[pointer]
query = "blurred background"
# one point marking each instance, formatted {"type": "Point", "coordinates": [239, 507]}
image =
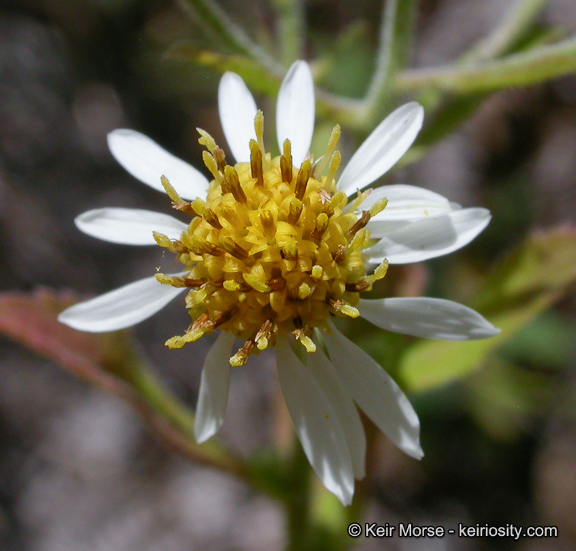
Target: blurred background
{"type": "Point", "coordinates": [79, 472]}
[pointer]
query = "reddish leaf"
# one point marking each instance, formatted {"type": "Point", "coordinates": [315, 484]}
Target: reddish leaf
{"type": "Point", "coordinates": [32, 320]}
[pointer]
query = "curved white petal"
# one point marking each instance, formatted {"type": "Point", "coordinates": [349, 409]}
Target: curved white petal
{"type": "Point", "coordinates": [316, 424]}
{"type": "Point", "coordinates": [432, 318]}
{"type": "Point", "coordinates": [214, 386]}
{"type": "Point", "coordinates": [383, 148]}
{"type": "Point", "coordinates": [406, 204]}
{"type": "Point", "coordinates": [237, 110]}
{"type": "Point", "coordinates": [121, 308]}
{"type": "Point", "coordinates": [341, 402]}
{"type": "Point", "coordinates": [148, 162]}
{"type": "Point", "coordinates": [375, 392]}
{"type": "Point", "coordinates": [401, 196]}
{"type": "Point", "coordinates": [429, 238]}
{"type": "Point", "coordinates": [295, 111]}
{"type": "Point", "coordinates": [128, 226]}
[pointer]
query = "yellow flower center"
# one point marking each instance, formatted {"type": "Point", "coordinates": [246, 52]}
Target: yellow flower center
{"type": "Point", "coordinates": [273, 250]}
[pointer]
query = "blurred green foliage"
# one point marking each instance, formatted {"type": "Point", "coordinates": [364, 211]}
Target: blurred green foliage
{"type": "Point", "coordinates": [534, 275]}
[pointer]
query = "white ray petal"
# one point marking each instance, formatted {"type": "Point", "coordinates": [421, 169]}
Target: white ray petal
{"type": "Point", "coordinates": [401, 196]}
{"type": "Point", "coordinates": [375, 392]}
{"type": "Point", "coordinates": [237, 110]}
{"type": "Point", "coordinates": [316, 424]}
{"type": "Point", "coordinates": [295, 111]}
{"type": "Point", "coordinates": [381, 228]}
{"type": "Point", "coordinates": [343, 405]}
{"type": "Point", "coordinates": [148, 162]}
{"type": "Point", "coordinates": [121, 308]}
{"type": "Point", "coordinates": [214, 386]}
{"type": "Point", "coordinates": [432, 318]}
{"type": "Point", "coordinates": [407, 203]}
{"type": "Point", "coordinates": [429, 238]}
{"type": "Point", "coordinates": [383, 148]}
{"type": "Point", "coordinates": [128, 226]}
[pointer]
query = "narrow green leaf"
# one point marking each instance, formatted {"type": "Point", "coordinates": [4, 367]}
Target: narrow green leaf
{"type": "Point", "coordinates": [216, 21]}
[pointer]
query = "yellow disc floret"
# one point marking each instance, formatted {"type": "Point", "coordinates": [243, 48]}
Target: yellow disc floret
{"type": "Point", "coordinates": [273, 250]}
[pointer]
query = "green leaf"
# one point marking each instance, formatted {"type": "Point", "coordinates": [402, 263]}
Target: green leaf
{"type": "Point", "coordinates": [503, 398]}
{"type": "Point", "coordinates": [216, 22]}
{"type": "Point", "coordinates": [535, 274]}
{"type": "Point", "coordinates": [255, 76]}
{"type": "Point", "coordinates": [547, 343]}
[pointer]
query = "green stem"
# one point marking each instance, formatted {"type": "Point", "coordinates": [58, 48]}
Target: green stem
{"type": "Point", "coordinates": [230, 34]}
{"type": "Point", "coordinates": [511, 29]}
{"type": "Point", "coordinates": [291, 29]}
{"type": "Point", "coordinates": [163, 402]}
{"type": "Point", "coordinates": [175, 424]}
{"type": "Point", "coordinates": [544, 63]}
{"type": "Point", "coordinates": [393, 52]}
{"type": "Point", "coordinates": [298, 502]}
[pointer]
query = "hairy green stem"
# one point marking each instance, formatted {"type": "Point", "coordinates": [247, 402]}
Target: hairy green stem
{"type": "Point", "coordinates": [517, 21]}
{"type": "Point", "coordinates": [358, 115]}
{"type": "Point", "coordinates": [298, 502]}
{"type": "Point", "coordinates": [163, 402]}
{"type": "Point", "coordinates": [291, 29]}
{"type": "Point", "coordinates": [396, 34]}
{"type": "Point", "coordinates": [174, 423]}
{"type": "Point", "coordinates": [544, 63]}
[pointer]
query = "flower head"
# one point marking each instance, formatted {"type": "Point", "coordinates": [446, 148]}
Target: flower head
{"type": "Point", "coordinates": [273, 250]}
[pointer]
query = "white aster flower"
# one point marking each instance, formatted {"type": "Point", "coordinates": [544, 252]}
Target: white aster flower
{"type": "Point", "coordinates": [274, 250]}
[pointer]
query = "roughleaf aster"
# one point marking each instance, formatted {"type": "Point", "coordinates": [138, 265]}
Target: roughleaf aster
{"type": "Point", "coordinates": [275, 248]}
